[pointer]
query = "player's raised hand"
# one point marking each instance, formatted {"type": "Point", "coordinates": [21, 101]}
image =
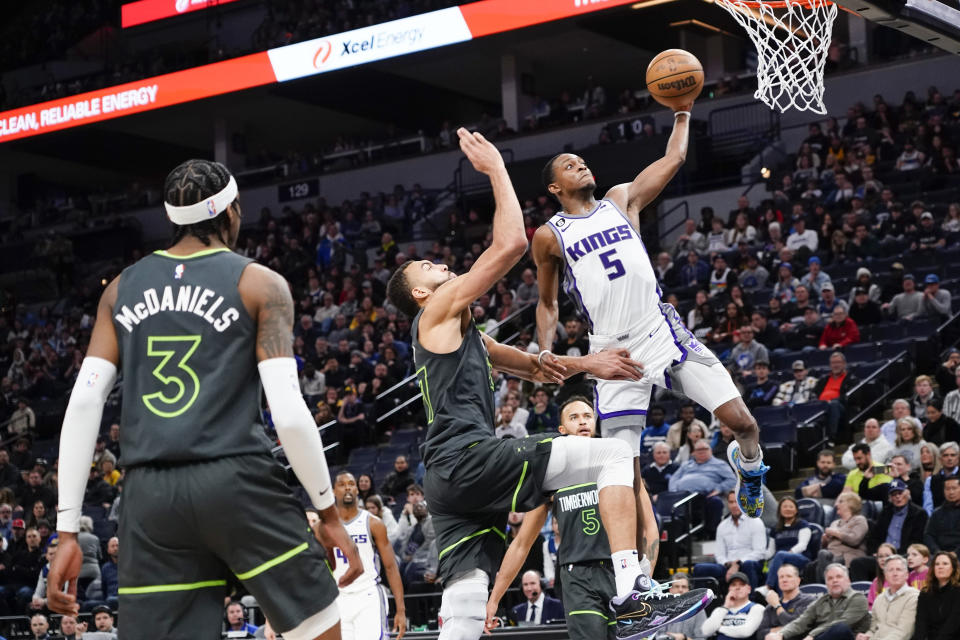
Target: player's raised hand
{"type": "Point", "coordinates": [62, 579]}
{"type": "Point", "coordinates": [481, 153]}
{"type": "Point", "coordinates": [614, 364]}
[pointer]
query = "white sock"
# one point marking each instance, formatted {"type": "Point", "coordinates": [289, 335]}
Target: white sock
{"type": "Point", "coordinates": [751, 465]}
{"type": "Point", "coordinates": [626, 568]}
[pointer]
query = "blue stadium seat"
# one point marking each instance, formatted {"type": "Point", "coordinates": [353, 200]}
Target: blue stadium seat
{"type": "Point", "coordinates": [404, 437]}
{"type": "Point", "coordinates": [816, 589]}
{"type": "Point", "coordinates": [805, 411]}
{"type": "Point", "coordinates": [777, 431]}
{"type": "Point", "coordinates": [772, 415]}
{"type": "Point", "coordinates": [863, 352]}
{"type": "Point", "coordinates": [863, 586]}
{"type": "Point", "coordinates": [810, 510]}
{"type": "Point", "coordinates": [816, 540]}
{"type": "Point", "coordinates": [886, 332]}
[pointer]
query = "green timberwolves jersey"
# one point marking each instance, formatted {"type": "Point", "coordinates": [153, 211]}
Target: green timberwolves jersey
{"type": "Point", "coordinates": [582, 537]}
{"type": "Point", "coordinates": [191, 390]}
{"type": "Point", "coordinates": [457, 392]}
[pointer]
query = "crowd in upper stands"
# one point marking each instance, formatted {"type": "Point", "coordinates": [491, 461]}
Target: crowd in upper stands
{"type": "Point", "coordinates": [832, 259]}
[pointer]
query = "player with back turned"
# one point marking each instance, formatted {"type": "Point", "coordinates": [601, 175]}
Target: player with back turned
{"type": "Point", "coordinates": [597, 247]}
{"type": "Point", "coordinates": [192, 327]}
{"type": "Point", "coordinates": [473, 478]}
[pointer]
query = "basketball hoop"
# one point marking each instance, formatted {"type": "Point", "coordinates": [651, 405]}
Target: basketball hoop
{"type": "Point", "coordinates": [792, 38]}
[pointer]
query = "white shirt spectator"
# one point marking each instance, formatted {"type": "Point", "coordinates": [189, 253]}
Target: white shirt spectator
{"type": "Point", "coordinates": [511, 431]}
{"type": "Point", "coordinates": [807, 238]}
{"type": "Point", "coordinates": [746, 540]}
{"type": "Point", "coordinates": [880, 450]}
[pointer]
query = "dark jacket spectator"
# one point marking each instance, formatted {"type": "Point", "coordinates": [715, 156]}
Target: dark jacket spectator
{"type": "Point", "coordinates": [938, 613]}
{"type": "Point", "coordinates": [943, 529]}
{"type": "Point", "coordinates": [911, 531]}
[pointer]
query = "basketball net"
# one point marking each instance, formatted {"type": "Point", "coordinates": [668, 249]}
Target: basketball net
{"type": "Point", "coordinates": [792, 38]}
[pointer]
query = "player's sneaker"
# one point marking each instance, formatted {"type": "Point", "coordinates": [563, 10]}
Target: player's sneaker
{"type": "Point", "coordinates": [642, 613]}
{"type": "Point", "coordinates": [749, 483]}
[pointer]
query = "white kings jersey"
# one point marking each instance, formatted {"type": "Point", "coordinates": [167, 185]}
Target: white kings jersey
{"type": "Point", "coordinates": [608, 272]}
{"type": "Point", "coordinates": [359, 530]}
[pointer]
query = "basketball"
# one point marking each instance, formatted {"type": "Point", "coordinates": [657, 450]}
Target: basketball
{"type": "Point", "coordinates": [674, 78]}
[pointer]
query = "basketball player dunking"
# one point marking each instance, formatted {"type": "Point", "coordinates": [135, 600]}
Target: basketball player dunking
{"type": "Point", "coordinates": [191, 327]}
{"type": "Point", "coordinates": [472, 478]}
{"type": "Point", "coordinates": [363, 604]}
{"type": "Point", "coordinates": [608, 273]}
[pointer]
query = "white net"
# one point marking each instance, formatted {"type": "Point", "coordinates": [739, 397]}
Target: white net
{"type": "Point", "coordinates": [792, 39]}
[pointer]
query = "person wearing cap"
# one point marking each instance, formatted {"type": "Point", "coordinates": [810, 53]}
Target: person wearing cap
{"type": "Point", "coordinates": [801, 237]}
{"type": "Point", "coordinates": [863, 310]}
{"type": "Point", "coordinates": [796, 391]}
{"type": "Point", "coordinates": [936, 301]}
{"type": "Point", "coordinates": [840, 331]}
{"type": "Point", "coordinates": [880, 449]}
{"type": "Point", "coordinates": [815, 278]}
{"type": "Point", "coordinates": [754, 275]}
{"type": "Point", "coordinates": [738, 616]}
{"type": "Point", "coordinates": [829, 301]}
{"type": "Point", "coordinates": [763, 389]}
{"type": "Point", "coordinates": [928, 236]}
{"type": "Point", "coordinates": [103, 620]}
{"type": "Point", "coordinates": [908, 304]}
{"type": "Point", "coordinates": [894, 613]}
{"type": "Point", "coordinates": [786, 285]}
{"type": "Point", "coordinates": [901, 523]}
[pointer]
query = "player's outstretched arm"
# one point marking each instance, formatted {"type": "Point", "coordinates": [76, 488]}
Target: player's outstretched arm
{"type": "Point", "coordinates": [509, 238]}
{"type": "Point", "coordinates": [546, 255]}
{"type": "Point", "coordinates": [614, 364]}
{"type": "Point", "coordinates": [514, 558]}
{"type": "Point", "coordinates": [78, 438]}
{"type": "Point", "coordinates": [379, 532]}
{"type": "Point", "coordinates": [267, 295]}
{"type": "Point", "coordinates": [631, 197]}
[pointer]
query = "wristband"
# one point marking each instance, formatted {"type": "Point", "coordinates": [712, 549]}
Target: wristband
{"type": "Point", "coordinates": [677, 113]}
{"type": "Point", "coordinates": [543, 353]}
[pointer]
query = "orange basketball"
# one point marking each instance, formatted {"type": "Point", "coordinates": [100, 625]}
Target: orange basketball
{"type": "Point", "coordinates": [674, 78]}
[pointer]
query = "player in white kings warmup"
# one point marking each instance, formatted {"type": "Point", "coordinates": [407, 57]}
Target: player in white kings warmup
{"type": "Point", "coordinates": [473, 479]}
{"type": "Point", "coordinates": [607, 272]}
{"type": "Point", "coordinates": [192, 326]}
{"type": "Point", "coordinates": [363, 604]}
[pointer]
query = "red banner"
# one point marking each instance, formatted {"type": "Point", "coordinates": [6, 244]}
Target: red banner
{"type": "Point", "coordinates": [495, 16]}
{"type": "Point", "coordinates": [144, 11]}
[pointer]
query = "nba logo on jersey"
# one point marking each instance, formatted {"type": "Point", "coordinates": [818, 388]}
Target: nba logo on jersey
{"type": "Point", "coordinates": [211, 209]}
{"type": "Point", "coordinates": [92, 380]}
{"type": "Point", "coordinates": [178, 272]}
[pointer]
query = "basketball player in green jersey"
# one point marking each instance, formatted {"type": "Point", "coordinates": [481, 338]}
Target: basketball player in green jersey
{"type": "Point", "coordinates": [191, 327]}
{"type": "Point", "coordinates": [583, 555]}
{"type": "Point", "coordinates": [472, 478]}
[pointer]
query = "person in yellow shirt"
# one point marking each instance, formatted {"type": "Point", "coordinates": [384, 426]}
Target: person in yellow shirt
{"type": "Point", "coordinates": [109, 473]}
{"type": "Point", "coordinates": [867, 479]}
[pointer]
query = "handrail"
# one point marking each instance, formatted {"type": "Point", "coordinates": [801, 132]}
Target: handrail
{"type": "Point", "coordinates": [494, 332]}
{"type": "Point", "coordinates": [398, 407]}
{"type": "Point", "coordinates": [666, 213]}
{"type": "Point", "coordinates": [402, 382]}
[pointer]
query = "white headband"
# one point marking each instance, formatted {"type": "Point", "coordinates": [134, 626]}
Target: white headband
{"type": "Point", "coordinates": [205, 209]}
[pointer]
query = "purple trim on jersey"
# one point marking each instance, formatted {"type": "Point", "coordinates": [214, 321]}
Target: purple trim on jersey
{"type": "Point", "coordinates": [617, 414]}
{"type": "Point", "coordinates": [376, 552]}
{"type": "Point", "coordinates": [676, 341]}
{"type": "Point", "coordinates": [570, 282]}
{"type": "Point", "coordinates": [666, 379]}
{"type": "Point", "coordinates": [569, 217]}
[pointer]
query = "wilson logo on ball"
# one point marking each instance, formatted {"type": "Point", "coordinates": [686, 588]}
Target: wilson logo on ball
{"type": "Point", "coordinates": [682, 83]}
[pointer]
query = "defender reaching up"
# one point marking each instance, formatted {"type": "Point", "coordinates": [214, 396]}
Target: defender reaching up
{"type": "Point", "coordinates": [472, 478]}
{"type": "Point", "coordinates": [606, 270]}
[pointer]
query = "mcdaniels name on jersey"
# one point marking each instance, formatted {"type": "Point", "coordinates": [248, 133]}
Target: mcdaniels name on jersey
{"type": "Point", "coordinates": [594, 241]}
{"type": "Point", "coordinates": [187, 299]}
{"type": "Point", "coordinates": [578, 500]}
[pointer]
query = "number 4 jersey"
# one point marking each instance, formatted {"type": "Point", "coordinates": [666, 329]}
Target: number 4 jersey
{"type": "Point", "coordinates": [191, 390]}
{"type": "Point", "coordinates": [608, 273]}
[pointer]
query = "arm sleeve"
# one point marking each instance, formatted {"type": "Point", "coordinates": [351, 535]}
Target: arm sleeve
{"type": "Point", "coordinates": [803, 540]}
{"type": "Point", "coordinates": [78, 438]}
{"type": "Point", "coordinates": [296, 428]}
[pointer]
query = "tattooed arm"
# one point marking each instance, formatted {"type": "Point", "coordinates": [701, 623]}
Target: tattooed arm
{"type": "Point", "coordinates": [266, 295]}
